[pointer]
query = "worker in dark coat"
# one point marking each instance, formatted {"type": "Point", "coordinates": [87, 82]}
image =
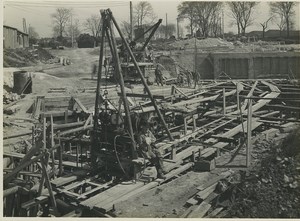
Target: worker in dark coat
{"type": "Point", "coordinates": [158, 76]}
{"type": "Point", "coordinates": [148, 150]}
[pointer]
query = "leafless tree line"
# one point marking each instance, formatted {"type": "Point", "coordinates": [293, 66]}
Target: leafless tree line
{"type": "Point", "coordinates": [205, 17]}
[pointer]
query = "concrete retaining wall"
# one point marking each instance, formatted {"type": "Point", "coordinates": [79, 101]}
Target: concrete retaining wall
{"type": "Point", "coordinates": [242, 65]}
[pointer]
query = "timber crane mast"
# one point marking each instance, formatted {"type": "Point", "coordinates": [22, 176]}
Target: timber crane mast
{"type": "Point", "coordinates": [113, 141]}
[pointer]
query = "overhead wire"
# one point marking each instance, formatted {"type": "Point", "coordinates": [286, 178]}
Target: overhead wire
{"type": "Point", "coordinates": [72, 4]}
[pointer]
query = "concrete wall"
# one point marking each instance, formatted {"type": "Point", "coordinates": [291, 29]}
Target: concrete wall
{"type": "Point", "coordinates": [12, 38]}
{"type": "Point", "coordinates": [242, 65]}
{"type": "Point", "coordinates": [258, 65]}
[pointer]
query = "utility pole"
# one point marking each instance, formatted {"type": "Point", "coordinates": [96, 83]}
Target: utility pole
{"type": "Point", "coordinates": [177, 19]}
{"type": "Point", "coordinates": [223, 23]}
{"type": "Point", "coordinates": [72, 29]}
{"type": "Point", "coordinates": [166, 25]}
{"type": "Point", "coordinates": [131, 25]}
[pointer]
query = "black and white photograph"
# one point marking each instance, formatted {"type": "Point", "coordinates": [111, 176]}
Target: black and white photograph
{"type": "Point", "coordinates": [150, 109]}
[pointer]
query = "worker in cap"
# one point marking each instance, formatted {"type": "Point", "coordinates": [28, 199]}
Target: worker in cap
{"type": "Point", "coordinates": [148, 150]}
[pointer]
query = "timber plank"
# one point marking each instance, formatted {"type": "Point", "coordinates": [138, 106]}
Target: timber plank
{"type": "Point", "coordinates": [214, 180]}
{"type": "Point", "coordinates": [200, 210]}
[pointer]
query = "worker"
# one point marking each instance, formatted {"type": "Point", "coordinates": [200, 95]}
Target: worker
{"type": "Point", "coordinates": [148, 150]}
{"type": "Point", "coordinates": [180, 79]}
{"type": "Point", "coordinates": [188, 78]}
{"type": "Point", "coordinates": [158, 76]}
{"type": "Point", "coordinates": [196, 78]}
{"type": "Point", "coordinates": [94, 72]}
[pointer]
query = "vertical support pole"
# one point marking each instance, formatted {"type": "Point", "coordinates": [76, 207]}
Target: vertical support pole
{"type": "Point", "coordinates": [185, 126]}
{"type": "Point", "coordinates": [44, 133]}
{"type": "Point", "coordinates": [177, 19]}
{"type": "Point", "coordinates": [131, 21]}
{"type": "Point", "coordinates": [60, 156]}
{"type": "Point", "coordinates": [224, 102]}
{"type": "Point", "coordinates": [194, 123]}
{"type": "Point", "coordinates": [249, 122]}
{"type": "Point", "coordinates": [173, 153]}
{"type": "Point", "coordinates": [166, 30]}
{"type": "Point", "coordinates": [237, 96]}
{"type": "Point", "coordinates": [52, 143]}
{"type": "Point", "coordinates": [48, 184]}
{"type": "Point", "coordinates": [77, 155]}
{"type": "Point", "coordinates": [99, 78]}
{"type": "Point", "coordinates": [66, 116]}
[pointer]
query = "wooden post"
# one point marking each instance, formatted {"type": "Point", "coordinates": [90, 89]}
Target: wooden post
{"type": "Point", "coordinates": [48, 184]}
{"type": "Point", "coordinates": [66, 116]}
{"type": "Point", "coordinates": [60, 156]}
{"type": "Point", "coordinates": [173, 153]}
{"type": "Point", "coordinates": [77, 155]}
{"type": "Point", "coordinates": [237, 97]}
{"type": "Point", "coordinates": [185, 126]}
{"type": "Point", "coordinates": [194, 123]}
{"type": "Point", "coordinates": [52, 143]}
{"type": "Point", "coordinates": [249, 122]}
{"type": "Point", "coordinates": [44, 133]}
{"type": "Point", "coordinates": [224, 102]}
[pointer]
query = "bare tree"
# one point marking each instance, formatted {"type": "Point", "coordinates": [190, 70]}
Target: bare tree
{"type": "Point", "coordinates": [242, 13]}
{"type": "Point", "coordinates": [74, 29]}
{"type": "Point", "coordinates": [187, 10]}
{"type": "Point", "coordinates": [61, 18]}
{"type": "Point", "coordinates": [285, 11]}
{"type": "Point", "coordinates": [265, 26]}
{"type": "Point", "coordinates": [92, 25]}
{"type": "Point", "coordinates": [144, 13]}
{"type": "Point", "coordinates": [206, 13]}
{"type": "Point", "coordinates": [235, 14]}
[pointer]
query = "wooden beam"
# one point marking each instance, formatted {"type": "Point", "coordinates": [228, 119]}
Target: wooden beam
{"type": "Point", "coordinates": [78, 102]}
{"type": "Point", "coordinates": [249, 124]}
{"type": "Point", "coordinates": [75, 130]}
{"type": "Point", "coordinates": [63, 126]}
{"type": "Point", "coordinates": [143, 95]}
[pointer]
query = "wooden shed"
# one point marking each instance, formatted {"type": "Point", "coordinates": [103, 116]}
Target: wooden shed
{"type": "Point", "coordinates": [13, 38]}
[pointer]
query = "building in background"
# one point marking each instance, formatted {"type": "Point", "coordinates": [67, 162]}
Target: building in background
{"type": "Point", "coordinates": [14, 38]}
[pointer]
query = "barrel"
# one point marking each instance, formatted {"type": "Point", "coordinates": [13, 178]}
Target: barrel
{"type": "Point", "coordinates": [22, 82]}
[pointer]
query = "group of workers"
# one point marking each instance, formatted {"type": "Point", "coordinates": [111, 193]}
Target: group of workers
{"type": "Point", "coordinates": [189, 76]}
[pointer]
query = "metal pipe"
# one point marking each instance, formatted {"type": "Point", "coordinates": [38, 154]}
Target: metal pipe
{"type": "Point", "coordinates": [142, 77]}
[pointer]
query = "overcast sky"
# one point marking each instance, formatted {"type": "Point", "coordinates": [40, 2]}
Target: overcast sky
{"type": "Point", "coordinates": [38, 13]}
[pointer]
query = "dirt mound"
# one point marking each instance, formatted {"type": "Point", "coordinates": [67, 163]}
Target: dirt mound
{"type": "Point", "coordinates": [273, 190]}
{"type": "Point", "coordinates": [22, 57]}
{"type": "Point", "coordinates": [203, 44]}
{"type": "Point", "coordinates": [208, 42]}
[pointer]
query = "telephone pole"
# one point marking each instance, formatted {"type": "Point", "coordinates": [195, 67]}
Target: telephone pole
{"type": "Point", "coordinates": [166, 25]}
{"type": "Point", "coordinates": [72, 30]}
{"type": "Point", "coordinates": [223, 23]}
{"type": "Point", "coordinates": [177, 19]}
{"type": "Point", "coordinates": [131, 25]}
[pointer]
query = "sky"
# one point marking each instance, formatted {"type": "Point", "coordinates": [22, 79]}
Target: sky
{"type": "Point", "coordinates": [38, 13]}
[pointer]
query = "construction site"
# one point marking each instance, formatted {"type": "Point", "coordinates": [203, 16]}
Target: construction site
{"type": "Point", "coordinates": [223, 120]}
